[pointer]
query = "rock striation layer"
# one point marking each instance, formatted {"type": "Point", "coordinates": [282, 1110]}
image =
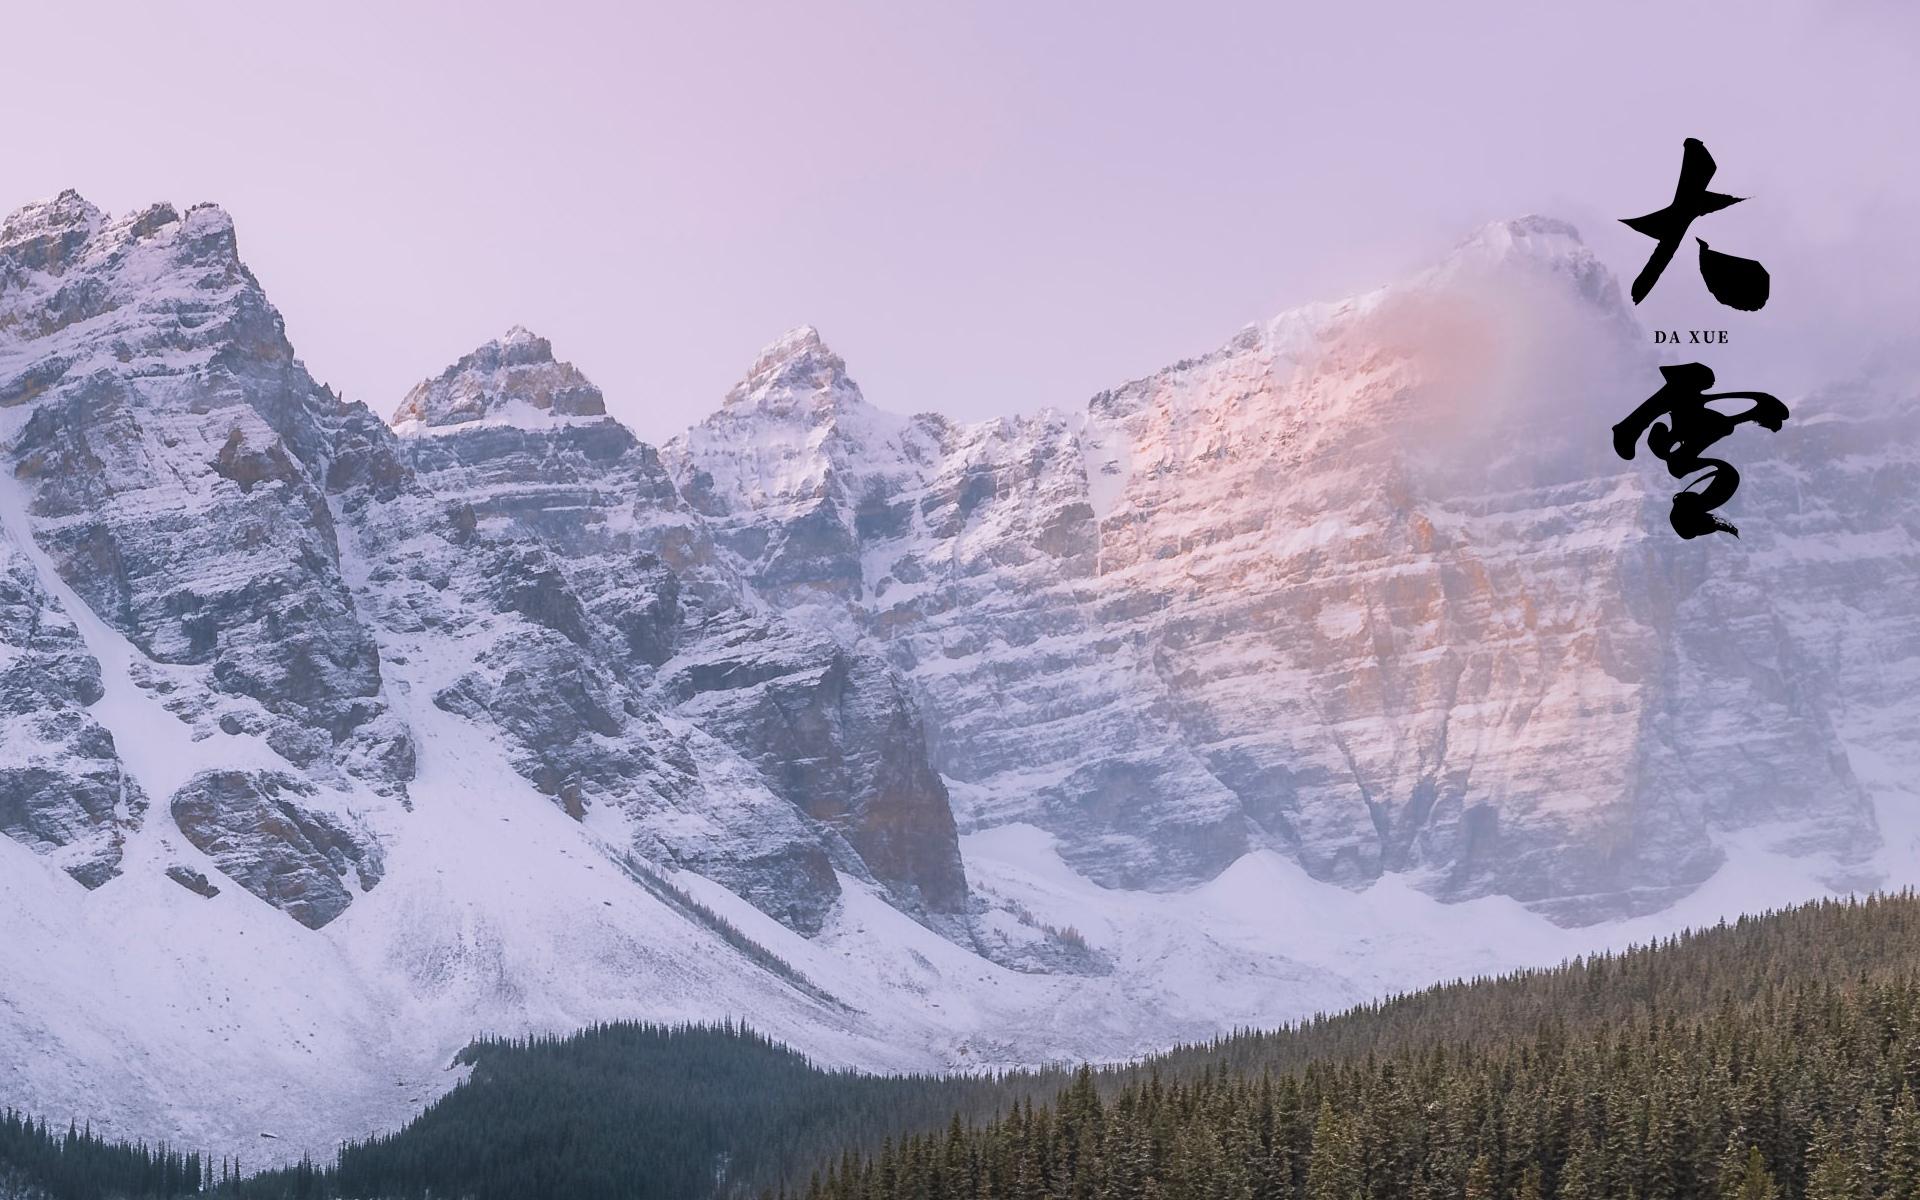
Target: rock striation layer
{"type": "Point", "coordinates": [1365, 585]}
{"type": "Point", "coordinates": [1361, 587]}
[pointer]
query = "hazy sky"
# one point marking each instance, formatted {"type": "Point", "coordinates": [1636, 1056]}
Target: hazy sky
{"type": "Point", "coordinates": [986, 207]}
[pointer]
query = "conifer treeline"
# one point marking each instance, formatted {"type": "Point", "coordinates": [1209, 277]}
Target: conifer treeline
{"type": "Point", "coordinates": [1833, 941]}
{"type": "Point", "coordinates": [635, 1112]}
{"type": "Point", "coordinates": [1809, 1092]}
{"type": "Point", "coordinates": [1774, 1057]}
{"type": "Point", "coordinates": [76, 1165]}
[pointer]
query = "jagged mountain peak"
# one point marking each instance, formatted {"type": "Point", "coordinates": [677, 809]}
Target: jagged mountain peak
{"type": "Point", "coordinates": [795, 429]}
{"type": "Point", "coordinates": [798, 373]}
{"type": "Point", "coordinates": [60, 216]}
{"type": "Point", "coordinates": [513, 379]}
{"type": "Point", "coordinates": [54, 235]}
{"type": "Point", "coordinates": [155, 291]}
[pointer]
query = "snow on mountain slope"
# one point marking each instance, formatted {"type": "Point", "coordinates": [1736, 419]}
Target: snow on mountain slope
{"type": "Point", "coordinates": [63, 788]}
{"type": "Point", "coordinates": [156, 1012]}
{"type": "Point", "coordinates": [1367, 587]}
{"type": "Point", "coordinates": [564, 553]}
{"type": "Point", "coordinates": [1337, 660]}
{"type": "Point", "coordinates": [167, 440]}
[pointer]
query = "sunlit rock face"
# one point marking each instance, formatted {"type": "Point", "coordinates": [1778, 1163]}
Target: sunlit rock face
{"type": "Point", "coordinates": [1366, 584]}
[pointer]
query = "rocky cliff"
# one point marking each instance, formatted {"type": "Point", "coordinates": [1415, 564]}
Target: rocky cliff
{"type": "Point", "coordinates": [1365, 585]}
{"type": "Point", "coordinates": [163, 455]}
{"type": "Point", "coordinates": [63, 788]}
{"type": "Point", "coordinates": [208, 501]}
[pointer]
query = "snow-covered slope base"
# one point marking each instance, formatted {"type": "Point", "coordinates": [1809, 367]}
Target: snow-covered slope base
{"type": "Point", "coordinates": [156, 1013]}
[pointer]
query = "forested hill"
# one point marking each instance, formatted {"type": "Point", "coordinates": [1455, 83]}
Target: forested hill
{"type": "Point", "coordinates": [1838, 943]}
{"type": "Point", "coordinates": [1777, 1056]}
{"type": "Point", "coordinates": [1774, 1059]}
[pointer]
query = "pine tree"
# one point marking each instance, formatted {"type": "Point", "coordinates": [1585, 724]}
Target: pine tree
{"type": "Point", "coordinates": [1750, 1181]}
{"type": "Point", "coordinates": [1333, 1165]}
{"type": "Point", "coordinates": [1530, 1187]}
{"type": "Point", "coordinates": [1578, 1179]}
{"type": "Point", "coordinates": [1834, 1174]}
{"type": "Point", "coordinates": [1480, 1184]}
{"type": "Point", "coordinates": [1900, 1159]}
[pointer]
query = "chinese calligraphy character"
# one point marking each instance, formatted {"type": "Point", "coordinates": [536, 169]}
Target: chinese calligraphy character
{"type": "Point", "coordinates": [1692, 426]}
{"type": "Point", "coordinates": [1740, 283]}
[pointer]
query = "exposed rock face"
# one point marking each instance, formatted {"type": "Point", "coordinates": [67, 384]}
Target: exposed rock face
{"type": "Point", "coordinates": [794, 468]}
{"type": "Point", "coordinates": [257, 826]}
{"type": "Point", "coordinates": [185, 475]}
{"type": "Point", "coordinates": [836, 734]}
{"type": "Point", "coordinates": [1364, 585]}
{"type": "Point", "coordinates": [193, 881]}
{"type": "Point", "coordinates": [512, 378]}
{"type": "Point", "coordinates": [63, 790]}
{"type": "Point", "coordinates": [574, 531]}
{"type": "Point", "coordinates": [171, 449]}
{"type": "Point", "coordinates": [521, 560]}
{"type": "Point", "coordinates": [957, 548]}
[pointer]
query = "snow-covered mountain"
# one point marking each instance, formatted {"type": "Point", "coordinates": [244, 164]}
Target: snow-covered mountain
{"type": "Point", "coordinates": [1338, 659]}
{"type": "Point", "coordinates": [1366, 586]}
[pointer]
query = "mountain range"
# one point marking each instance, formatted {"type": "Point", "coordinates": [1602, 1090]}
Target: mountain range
{"type": "Point", "coordinates": [1339, 659]}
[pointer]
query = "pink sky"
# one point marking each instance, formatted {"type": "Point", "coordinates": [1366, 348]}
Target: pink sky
{"type": "Point", "coordinates": [986, 208]}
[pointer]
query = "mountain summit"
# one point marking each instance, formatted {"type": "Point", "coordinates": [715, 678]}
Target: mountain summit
{"type": "Point", "coordinates": [513, 379]}
{"type": "Point", "coordinates": [797, 370]}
